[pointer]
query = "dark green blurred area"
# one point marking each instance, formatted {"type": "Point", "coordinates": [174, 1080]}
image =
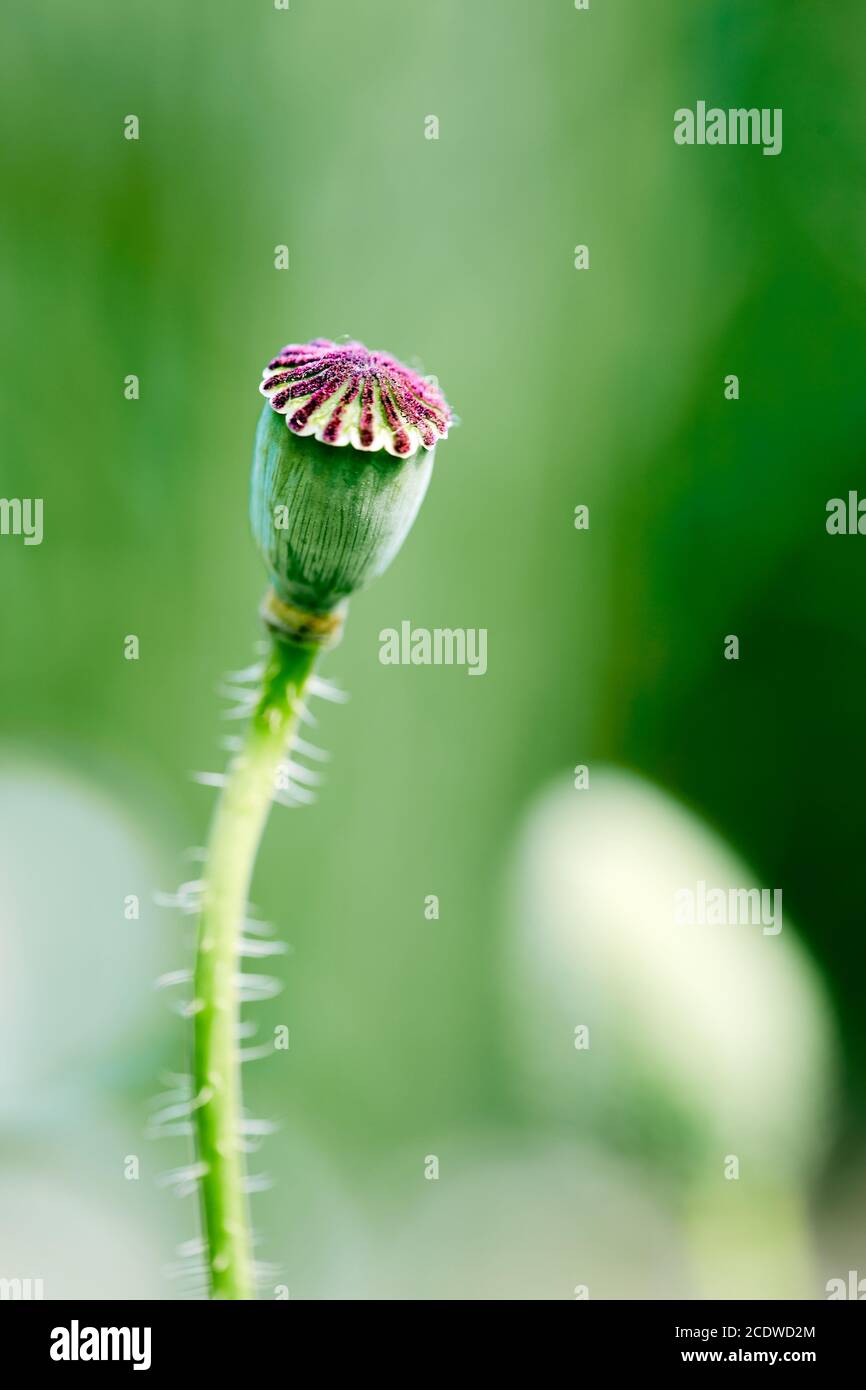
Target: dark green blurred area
{"type": "Point", "coordinates": [603, 387]}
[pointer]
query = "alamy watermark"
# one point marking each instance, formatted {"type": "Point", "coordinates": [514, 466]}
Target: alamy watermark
{"type": "Point", "coordinates": [438, 646]}
{"type": "Point", "coordinates": [846, 517]}
{"type": "Point", "coordinates": [22, 1289]}
{"type": "Point", "coordinates": [77, 1343]}
{"type": "Point", "coordinates": [736, 907]}
{"type": "Point", "coordinates": [737, 126]}
{"type": "Point", "coordinates": [22, 516]}
{"type": "Point", "coordinates": [852, 1287]}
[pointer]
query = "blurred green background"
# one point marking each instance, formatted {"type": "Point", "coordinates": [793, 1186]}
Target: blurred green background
{"type": "Point", "coordinates": [411, 1037]}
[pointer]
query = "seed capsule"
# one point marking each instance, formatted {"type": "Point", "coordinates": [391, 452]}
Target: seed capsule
{"type": "Point", "coordinates": [343, 456]}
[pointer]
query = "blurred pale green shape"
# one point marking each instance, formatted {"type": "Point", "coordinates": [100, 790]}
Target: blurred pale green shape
{"type": "Point", "coordinates": [704, 1040]}
{"type": "Point", "coordinates": [77, 974]}
{"type": "Point", "coordinates": [71, 1218]}
{"type": "Point", "coordinates": [711, 1048]}
{"type": "Point", "coordinates": [77, 1014]}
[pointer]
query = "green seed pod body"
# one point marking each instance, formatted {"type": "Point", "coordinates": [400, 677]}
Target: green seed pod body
{"type": "Point", "coordinates": [328, 520]}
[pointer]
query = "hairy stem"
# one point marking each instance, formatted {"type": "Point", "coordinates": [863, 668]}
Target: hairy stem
{"type": "Point", "coordinates": [234, 841]}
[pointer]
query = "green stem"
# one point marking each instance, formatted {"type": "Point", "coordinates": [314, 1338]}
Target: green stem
{"type": "Point", "coordinates": [234, 841]}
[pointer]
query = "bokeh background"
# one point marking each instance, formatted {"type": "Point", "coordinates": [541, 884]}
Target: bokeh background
{"type": "Point", "coordinates": [559, 1169]}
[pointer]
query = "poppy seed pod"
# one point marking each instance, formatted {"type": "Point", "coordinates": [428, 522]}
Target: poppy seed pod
{"type": "Point", "coordinates": [343, 456]}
